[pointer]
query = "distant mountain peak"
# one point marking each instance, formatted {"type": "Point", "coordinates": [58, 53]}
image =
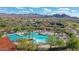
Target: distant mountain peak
{"type": "Point", "coordinates": [60, 15]}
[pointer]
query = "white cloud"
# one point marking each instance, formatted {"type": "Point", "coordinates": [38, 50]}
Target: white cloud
{"type": "Point", "coordinates": [64, 9]}
{"type": "Point", "coordinates": [35, 7]}
{"type": "Point", "coordinates": [2, 10]}
{"type": "Point", "coordinates": [75, 15]}
{"type": "Point", "coordinates": [23, 12]}
{"type": "Point", "coordinates": [19, 8]}
{"type": "Point", "coordinates": [31, 10]}
{"type": "Point", "coordinates": [72, 13]}
{"type": "Point", "coordinates": [46, 11]}
{"type": "Point", "coordinates": [73, 10]}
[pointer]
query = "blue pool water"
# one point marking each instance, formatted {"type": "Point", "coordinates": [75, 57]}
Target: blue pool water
{"type": "Point", "coordinates": [37, 38]}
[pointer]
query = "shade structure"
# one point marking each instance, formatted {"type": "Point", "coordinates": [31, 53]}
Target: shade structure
{"type": "Point", "coordinates": [6, 44]}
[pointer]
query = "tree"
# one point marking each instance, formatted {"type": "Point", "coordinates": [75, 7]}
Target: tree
{"type": "Point", "coordinates": [26, 45]}
{"type": "Point", "coordinates": [60, 42]}
{"type": "Point", "coordinates": [0, 35]}
{"type": "Point", "coordinates": [53, 41]}
{"type": "Point", "coordinates": [71, 34]}
{"type": "Point", "coordinates": [73, 43]}
{"type": "Point", "coordinates": [17, 28]}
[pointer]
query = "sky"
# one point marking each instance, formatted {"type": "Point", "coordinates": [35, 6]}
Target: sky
{"type": "Point", "coordinates": [71, 11]}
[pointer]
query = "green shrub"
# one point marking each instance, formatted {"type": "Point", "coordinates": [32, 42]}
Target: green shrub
{"type": "Point", "coordinates": [25, 45]}
{"type": "Point", "coordinates": [73, 43]}
{"type": "Point", "coordinates": [53, 41]}
{"type": "Point", "coordinates": [60, 42]}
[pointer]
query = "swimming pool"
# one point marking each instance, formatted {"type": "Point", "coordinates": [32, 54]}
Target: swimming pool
{"type": "Point", "coordinates": [37, 38]}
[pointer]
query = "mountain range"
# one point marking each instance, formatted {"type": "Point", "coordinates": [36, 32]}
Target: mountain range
{"type": "Point", "coordinates": [39, 16]}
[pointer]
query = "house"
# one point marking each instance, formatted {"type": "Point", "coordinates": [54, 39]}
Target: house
{"type": "Point", "coordinates": [60, 25]}
{"type": "Point", "coordinates": [56, 24]}
{"type": "Point", "coordinates": [36, 24]}
{"type": "Point", "coordinates": [72, 30]}
{"type": "Point", "coordinates": [6, 44]}
{"type": "Point", "coordinates": [61, 36]}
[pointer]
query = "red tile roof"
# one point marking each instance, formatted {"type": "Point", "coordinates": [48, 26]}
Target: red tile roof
{"type": "Point", "coordinates": [6, 44]}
